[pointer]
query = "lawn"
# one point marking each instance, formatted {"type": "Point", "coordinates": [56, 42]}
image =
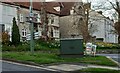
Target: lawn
{"type": "Point", "coordinates": [45, 57]}
{"type": "Point", "coordinates": [96, 70]}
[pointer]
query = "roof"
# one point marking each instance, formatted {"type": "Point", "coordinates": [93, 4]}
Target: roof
{"type": "Point", "coordinates": [49, 6]}
{"type": "Point", "coordinates": [96, 15]}
{"type": "Point", "coordinates": [66, 9]}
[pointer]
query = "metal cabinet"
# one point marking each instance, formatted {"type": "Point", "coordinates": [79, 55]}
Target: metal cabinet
{"type": "Point", "coordinates": [71, 46]}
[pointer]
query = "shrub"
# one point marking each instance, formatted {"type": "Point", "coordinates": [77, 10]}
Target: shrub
{"type": "Point", "coordinates": [39, 45]}
{"type": "Point", "coordinates": [102, 45]}
{"type": "Point", "coordinates": [15, 33]}
{"type": "Point", "coordinates": [17, 48]}
{"type": "Point", "coordinates": [5, 38]}
{"type": "Point", "coordinates": [50, 44]}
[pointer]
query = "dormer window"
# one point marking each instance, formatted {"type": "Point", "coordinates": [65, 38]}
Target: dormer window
{"type": "Point", "coordinates": [57, 8]}
{"type": "Point", "coordinates": [72, 10]}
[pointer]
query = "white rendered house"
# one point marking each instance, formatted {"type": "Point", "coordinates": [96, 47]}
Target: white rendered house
{"type": "Point", "coordinates": [7, 12]}
{"type": "Point", "coordinates": [101, 27]}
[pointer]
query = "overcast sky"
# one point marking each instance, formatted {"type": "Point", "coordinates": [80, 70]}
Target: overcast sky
{"type": "Point", "coordinates": [108, 11]}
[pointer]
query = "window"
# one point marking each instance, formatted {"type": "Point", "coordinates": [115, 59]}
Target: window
{"type": "Point", "coordinates": [24, 32]}
{"type": "Point", "coordinates": [38, 18]}
{"type": "Point", "coordinates": [56, 32]}
{"type": "Point", "coordinates": [3, 27]}
{"type": "Point", "coordinates": [71, 11]}
{"type": "Point", "coordinates": [57, 8]}
{"type": "Point", "coordinates": [35, 27]}
{"type": "Point", "coordinates": [21, 17]}
{"type": "Point", "coordinates": [52, 20]}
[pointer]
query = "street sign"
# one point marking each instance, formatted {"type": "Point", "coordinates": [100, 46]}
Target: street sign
{"type": "Point", "coordinates": [36, 36]}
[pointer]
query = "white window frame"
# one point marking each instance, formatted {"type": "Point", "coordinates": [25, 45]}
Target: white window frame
{"type": "Point", "coordinates": [38, 18]}
{"type": "Point", "coordinates": [21, 18]}
{"type": "Point", "coordinates": [24, 32]}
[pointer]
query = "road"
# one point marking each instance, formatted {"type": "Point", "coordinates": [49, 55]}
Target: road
{"type": "Point", "coordinates": [16, 67]}
{"type": "Point", "coordinates": [115, 57]}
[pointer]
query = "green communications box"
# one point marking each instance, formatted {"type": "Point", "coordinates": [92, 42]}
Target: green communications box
{"type": "Point", "coordinates": [72, 47]}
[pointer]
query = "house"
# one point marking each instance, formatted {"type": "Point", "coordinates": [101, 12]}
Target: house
{"type": "Point", "coordinates": [7, 12]}
{"type": "Point", "coordinates": [20, 10]}
{"type": "Point", "coordinates": [23, 21]}
{"type": "Point", "coordinates": [70, 15]}
{"type": "Point", "coordinates": [101, 27]}
{"type": "Point", "coordinates": [52, 10]}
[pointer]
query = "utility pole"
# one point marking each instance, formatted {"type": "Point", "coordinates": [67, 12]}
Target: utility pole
{"type": "Point", "coordinates": [31, 28]}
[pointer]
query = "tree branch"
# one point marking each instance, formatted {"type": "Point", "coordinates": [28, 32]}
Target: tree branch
{"type": "Point", "coordinates": [113, 5]}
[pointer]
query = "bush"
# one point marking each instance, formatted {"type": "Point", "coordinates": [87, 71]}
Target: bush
{"type": "Point", "coordinates": [13, 48]}
{"type": "Point", "coordinates": [15, 33]}
{"type": "Point", "coordinates": [5, 38]}
{"type": "Point", "coordinates": [102, 45]}
{"type": "Point", "coordinates": [39, 45]}
{"type": "Point", "coordinates": [50, 44]}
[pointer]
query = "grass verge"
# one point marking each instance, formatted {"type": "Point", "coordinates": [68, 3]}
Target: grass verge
{"type": "Point", "coordinates": [97, 70]}
{"type": "Point", "coordinates": [49, 57]}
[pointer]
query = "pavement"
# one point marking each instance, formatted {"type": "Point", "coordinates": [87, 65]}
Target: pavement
{"type": "Point", "coordinates": [59, 68]}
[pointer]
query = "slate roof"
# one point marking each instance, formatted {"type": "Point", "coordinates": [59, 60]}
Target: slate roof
{"type": "Point", "coordinates": [66, 9]}
{"type": "Point", "coordinates": [49, 6]}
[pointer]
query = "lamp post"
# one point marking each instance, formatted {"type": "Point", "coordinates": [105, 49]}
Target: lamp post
{"type": "Point", "coordinates": [31, 28]}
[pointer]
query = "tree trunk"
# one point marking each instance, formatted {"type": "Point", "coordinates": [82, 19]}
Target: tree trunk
{"type": "Point", "coordinates": [119, 39]}
{"type": "Point", "coordinates": [118, 28]}
{"type": "Point", "coordinates": [44, 22]}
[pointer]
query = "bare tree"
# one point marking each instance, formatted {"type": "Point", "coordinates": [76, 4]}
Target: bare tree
{"type": "Point", "coordinates": [82, 12]}
{"type": "Point", "coordinates": [82, 20]}
{"type": "Point", "coordinates": [116, 6]}
{"type": "Point", "coordinates": [44, 21]}
{"type": "Point", "coordinates": [117, 28]}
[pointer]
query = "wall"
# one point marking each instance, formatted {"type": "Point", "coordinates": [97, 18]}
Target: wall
{"type": "Point", "coordinates": [1, 13]}
{"type": "Point", "coordinates": [67, 27]}
{"type": "Point", "coordinates": [8, 12]}
{"type": "Point", "coordinates": [26, 25]}
{"type": "Point", "coordinates": [104, 27]}
{"type": "Point", "coordinates": [110, 36]}
{"type": "Point", "coordinates": [53, 29]}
